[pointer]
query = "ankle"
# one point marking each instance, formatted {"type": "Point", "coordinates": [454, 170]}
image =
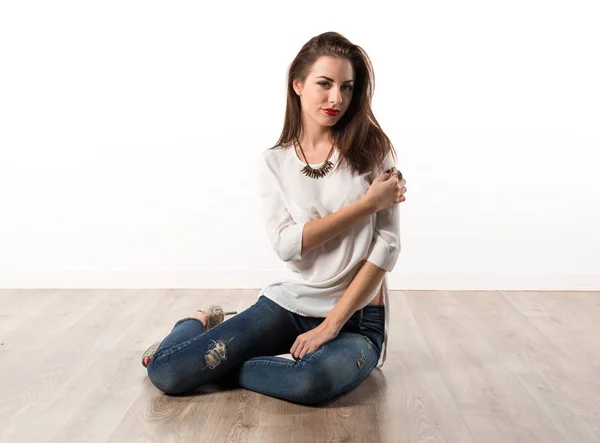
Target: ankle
{"type": "Point", "coordinates": [200, 316]}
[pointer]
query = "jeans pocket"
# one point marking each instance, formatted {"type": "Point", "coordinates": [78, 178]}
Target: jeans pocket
{"type": "Point", "coordinates": [374, 311]}
{"type": "Point", "coordinates": [373, 322]}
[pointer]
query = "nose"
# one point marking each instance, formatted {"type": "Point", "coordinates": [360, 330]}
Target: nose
{"type": "Point", "coordinates": [335, 97]}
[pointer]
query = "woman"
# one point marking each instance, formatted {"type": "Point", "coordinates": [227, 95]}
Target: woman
{"type": "Point", "coordinates": [336, 228]}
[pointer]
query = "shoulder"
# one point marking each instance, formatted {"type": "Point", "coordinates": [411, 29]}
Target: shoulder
{"type": "Point", "coordinates": [387, 163]}
{"type": "Point", "coordinates": [272, 163]}
{"type": "Point", "coordinates": [274, 157]}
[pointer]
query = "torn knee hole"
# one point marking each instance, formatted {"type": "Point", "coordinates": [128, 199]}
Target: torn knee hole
{"type": "Point", "coordinates": [217, 353]}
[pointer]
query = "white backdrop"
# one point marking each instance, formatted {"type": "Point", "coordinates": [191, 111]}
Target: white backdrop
{"type": "Point", "coordinates": [130, 132]}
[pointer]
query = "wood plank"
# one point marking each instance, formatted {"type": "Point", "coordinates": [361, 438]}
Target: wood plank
{"type": "Point", "coordinates": [491, 400]}
{"type": "Point", "coordinates": [571, 320]}
{"type": "Point", "coordinates": [86, 327]}
{"type": "Point", "coordinates": [569, 397]}
{"type": "Point", "coordinates": [462, 367]}
{"type": "Point", "coordinates": [414, 400]}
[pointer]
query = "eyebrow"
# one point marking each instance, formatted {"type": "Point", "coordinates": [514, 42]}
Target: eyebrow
{"type": "Point", "coordinates": [330, 79]}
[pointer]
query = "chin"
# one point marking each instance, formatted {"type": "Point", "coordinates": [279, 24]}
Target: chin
{"type": "Point", "coordinates": [331, 122]}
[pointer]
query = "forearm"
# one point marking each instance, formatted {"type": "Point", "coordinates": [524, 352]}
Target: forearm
{"type": "Point", "coordinates": [368, 278]}
{"type": "Point", "coordinates": [321, 230]}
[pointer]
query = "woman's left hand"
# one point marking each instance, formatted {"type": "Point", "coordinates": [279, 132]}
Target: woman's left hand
{"type": "Point", "coordinates": [312, 340]}
{"type": "Point", "coordinates": [401, 185]}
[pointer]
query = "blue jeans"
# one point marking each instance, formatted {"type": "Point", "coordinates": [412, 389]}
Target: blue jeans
{"type": "Point", "coordinates": [242, 352]}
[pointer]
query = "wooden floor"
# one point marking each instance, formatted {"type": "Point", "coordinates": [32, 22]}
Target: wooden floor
{"type": "Point", "coordinates": [462, 367]}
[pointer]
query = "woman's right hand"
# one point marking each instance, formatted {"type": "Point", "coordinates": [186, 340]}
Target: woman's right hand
{"type": "Point", "coordinates": [386, 190]}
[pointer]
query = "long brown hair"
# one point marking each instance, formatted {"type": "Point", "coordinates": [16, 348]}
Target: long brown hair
{"type": "Point", "coordinates": [362, 143]}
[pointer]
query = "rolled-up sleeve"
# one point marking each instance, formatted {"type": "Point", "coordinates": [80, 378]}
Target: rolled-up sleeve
{"type": "Point", "coordinates": [385, 247]}
{"type": "Point", "coordinates": [284, 233]}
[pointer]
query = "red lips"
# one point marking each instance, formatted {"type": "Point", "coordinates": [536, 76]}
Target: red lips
{"type": "Point", "coordinates": [330, 111]}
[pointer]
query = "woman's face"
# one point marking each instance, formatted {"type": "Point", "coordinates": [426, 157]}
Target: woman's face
{"type": "Point", "coordinates": [329, 85]}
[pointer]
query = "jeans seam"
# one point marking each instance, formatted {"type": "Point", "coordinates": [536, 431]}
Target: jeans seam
{"type": "Point", "coordinates": [189, 318]}
{"type": "Point", "coordinates": [268, 363]}
{"type": "Point", "coordinates": [176, 348]}
{"type": "Point", "coordinates": [315, 353]}
{"type": "Point", "coordinates": [276, 363]}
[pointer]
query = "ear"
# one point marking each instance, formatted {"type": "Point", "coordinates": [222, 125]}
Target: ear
{"type": "Point", "coordinates": [297, 85]}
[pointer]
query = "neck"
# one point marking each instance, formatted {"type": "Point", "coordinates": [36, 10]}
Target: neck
{"type": "Point", "coordinates": [315, 138]}
{"type": "Point", "coordinates": [315, 144]}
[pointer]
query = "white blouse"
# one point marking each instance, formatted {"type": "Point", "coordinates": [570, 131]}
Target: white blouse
{"type": "Point", "coordinates": [289, 200]}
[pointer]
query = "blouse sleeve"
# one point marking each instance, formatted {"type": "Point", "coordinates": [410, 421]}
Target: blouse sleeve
{"type": "Point", "coordinates": [385, 247]}
{"type": "Point", "coordinates": [285, 235]}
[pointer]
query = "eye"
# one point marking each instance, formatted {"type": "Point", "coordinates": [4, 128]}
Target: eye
{"type": "Point", "coordinates": [348, 87]}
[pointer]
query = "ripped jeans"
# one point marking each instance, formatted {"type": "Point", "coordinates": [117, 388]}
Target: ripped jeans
{"type": "Point", "coordinates": [242, 351]}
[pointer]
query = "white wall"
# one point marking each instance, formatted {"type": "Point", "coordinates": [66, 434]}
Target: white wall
{"type": "Point", "coordinates": [130, 131]}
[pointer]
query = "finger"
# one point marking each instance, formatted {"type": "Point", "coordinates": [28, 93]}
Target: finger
{"type": "Point", "coordinates": [294, 348]}
{"type": "Point", "coordinates": [305, 351]}
{"type": "Point", "coordinates": [299, 354]}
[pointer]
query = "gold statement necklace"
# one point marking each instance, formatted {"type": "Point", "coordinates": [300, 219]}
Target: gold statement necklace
{"type": "Point", "coordinates": [320, 171]}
